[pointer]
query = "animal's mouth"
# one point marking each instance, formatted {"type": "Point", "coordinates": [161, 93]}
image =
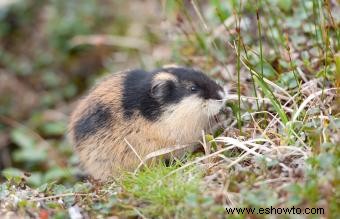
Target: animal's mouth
{"type": "Point", "coordinates": [214, 107]}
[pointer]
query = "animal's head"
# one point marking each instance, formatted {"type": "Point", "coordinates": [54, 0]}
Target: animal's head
{"type": "Point", "coordinates": [187, 90]}
{"type": "Point", "coordinates": [182, 92]}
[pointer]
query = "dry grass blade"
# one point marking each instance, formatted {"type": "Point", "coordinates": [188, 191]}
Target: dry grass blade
{"type": "Point", "coordinates": [239, 144]}
{"type": "Point", "coordinates": [306, 101]}
{"type": "Point", "coordinates": [234, 143]}
{"type": "Point", "coordinates": [160, 152]}
{"type": "Point", "coordinates": [135, 152]}
{"type": "Point", "coordinates": [199, 160]}
{"type": "Point", "coordinates": [240, 158]}
{"type": "Point", "coordinates": [250, 99]}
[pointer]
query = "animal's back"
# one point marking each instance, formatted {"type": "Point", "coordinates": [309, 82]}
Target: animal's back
{"type": "Point", "coordinates": [105, 126]}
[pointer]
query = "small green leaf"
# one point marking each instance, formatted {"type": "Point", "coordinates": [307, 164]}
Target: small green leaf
{"type": "Point", "coordinates": [13, 174]}
{"type": "Point", "coordinates": [22, 203]}
{"type": "Point", "coordinates": [60, 189]}
{"type": "Point", "coordinates": [22, 138]}
{"type": "Point", "coordinates": [35, 179]}
{"type": "Point", "coordinates": [211, 140]}
{"type": "Point", "coordinates": [285, 5]}
{"type": "Point", "coordinates": [287, 80]}
{"type": "Point", "coordinates": [82, 187]}
{"type": "Point", "coordinates": [54, 128]}
{"type": "Point", "coordinates": [30, 155]}
{"type": "Point", "coordinates": [326, 160]}
{"type": "Point", "coordinates": [43, 187]}
{"type": "Point", "coordinates": [56, 173]}
{"type": "Point", "coordinates": [191, 200]}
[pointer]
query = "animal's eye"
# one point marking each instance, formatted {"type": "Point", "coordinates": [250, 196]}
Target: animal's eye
{"type": "Point", "coordinates": [194, 88]}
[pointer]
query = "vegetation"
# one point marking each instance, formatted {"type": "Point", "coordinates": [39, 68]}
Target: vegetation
{"type": "Point", "coordinates": [278, 144]}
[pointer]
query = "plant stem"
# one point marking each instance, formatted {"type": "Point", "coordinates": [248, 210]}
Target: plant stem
{"type": "Point", "coordinates": [238, 66]}
{"type": "Point", "coordinates": [261, 54]}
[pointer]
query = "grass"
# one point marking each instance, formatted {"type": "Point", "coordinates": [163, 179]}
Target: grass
{"type": "Point", "coordinates": [158, 196]}
{"type": "Point", "coordinates": [279, 147]}
{"type": "Point", "coordinates": [238, 66]}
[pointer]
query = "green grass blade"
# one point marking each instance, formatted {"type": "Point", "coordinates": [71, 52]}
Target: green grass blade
{"type": "Point", "coordinates": [268, 93]}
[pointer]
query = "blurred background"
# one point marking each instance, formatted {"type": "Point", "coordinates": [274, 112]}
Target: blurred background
{"type": "Point", "coordinates": [52, 51]}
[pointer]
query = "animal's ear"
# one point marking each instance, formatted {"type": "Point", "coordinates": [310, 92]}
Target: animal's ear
{"type": "Point", "coordinates": [160, 89]}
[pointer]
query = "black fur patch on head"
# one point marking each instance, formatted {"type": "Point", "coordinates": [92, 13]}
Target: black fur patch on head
{"type": "Point", "coordinates": [208, 89]}
{"type": "Point", "coordinates": [141, 94]}
{"type": "Point", "coordinates": [137, 96]}
{"type": "Point", "coordinates": [95, 118]}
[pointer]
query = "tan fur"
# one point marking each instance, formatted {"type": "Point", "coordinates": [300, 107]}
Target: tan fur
{"type": "Point", "coordinates": [106, 153]}
{"type": "Point", "coordinates": [163, 76]}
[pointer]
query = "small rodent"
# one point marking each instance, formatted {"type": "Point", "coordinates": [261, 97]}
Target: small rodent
{"type": "Point", "coordinates": [149, 110]}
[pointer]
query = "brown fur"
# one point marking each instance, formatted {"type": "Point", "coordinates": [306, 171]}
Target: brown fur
{"type": "Point", "coordinates": [106, 152]}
